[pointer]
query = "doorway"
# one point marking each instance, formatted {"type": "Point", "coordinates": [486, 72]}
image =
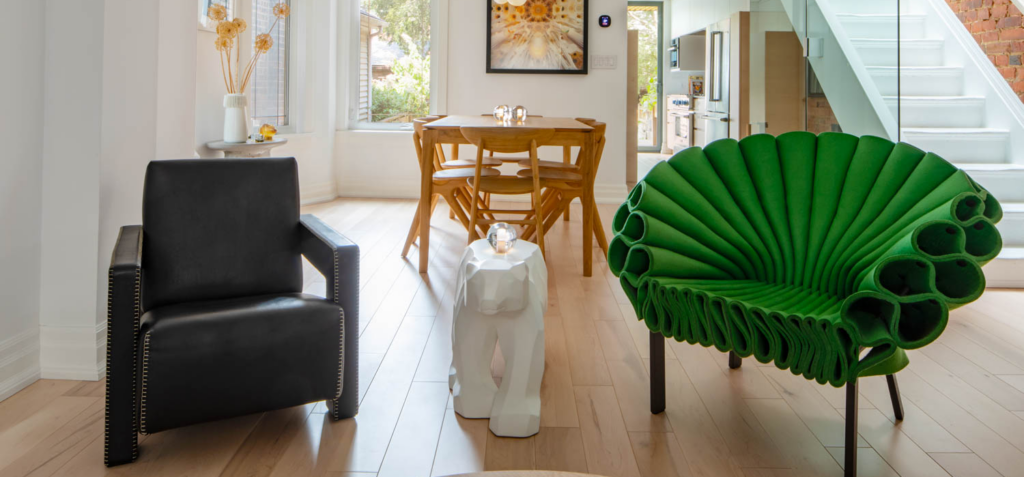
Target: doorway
{"type": "Point", "coordinates": [646, 17]}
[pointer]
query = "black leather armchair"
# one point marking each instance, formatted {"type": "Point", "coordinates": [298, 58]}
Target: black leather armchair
{"type": "Point", "coordinates": [206, 316]}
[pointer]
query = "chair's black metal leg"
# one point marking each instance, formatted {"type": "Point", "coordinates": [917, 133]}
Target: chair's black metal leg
{"type": "Point", "coordinates": [850, 465]}
{"type": "Point", "coordinates": [894, 394]}
{"type": "Point", "coordinates": [734, 360]}
{"type": "Point", "coordinates": [657, 373]}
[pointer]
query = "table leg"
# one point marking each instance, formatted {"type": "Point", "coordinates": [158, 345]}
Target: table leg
{"type": "Point", "coordinates": [588, 208]}
{"type": "Point", "coordinates": [566, 159]}
{"type": "Point", "coordinates": [426, 193]}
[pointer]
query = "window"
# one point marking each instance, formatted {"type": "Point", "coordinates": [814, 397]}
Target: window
{"type": "Point", "coordinates": [394, 61]}
{"type": "Point", "coordinates": [270, 79]}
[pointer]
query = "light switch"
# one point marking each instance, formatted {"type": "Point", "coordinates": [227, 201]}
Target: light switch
{"type": "Point", "coordinates": [604, 62]}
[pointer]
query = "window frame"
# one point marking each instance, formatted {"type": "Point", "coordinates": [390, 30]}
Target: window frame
{"type": "Point", "coordinates": [299, 32]}
{"type": "Point", "coordinates": [349, 67]}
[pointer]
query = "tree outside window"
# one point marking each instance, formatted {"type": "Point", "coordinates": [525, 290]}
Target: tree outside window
{"type": "Point", "coordinates": [394, 60]}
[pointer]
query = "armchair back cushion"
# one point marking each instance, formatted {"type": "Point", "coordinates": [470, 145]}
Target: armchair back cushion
{"type": "Point", "coordinates": [220, 228]}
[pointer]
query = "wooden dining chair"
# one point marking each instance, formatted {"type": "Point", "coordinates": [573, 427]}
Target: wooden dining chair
{"type": "Point", "coordinates": [451, 184]}
{"type": "Point", "coordinates": [506, 141]}
{"type": "Point", "coordinates": [563, 185]}
{"type": "Point", "coordinates": [567, 162]}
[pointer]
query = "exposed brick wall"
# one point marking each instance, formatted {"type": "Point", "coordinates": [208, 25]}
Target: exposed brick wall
{"type": "Point", "coordinates": [998, 26]}
{"type": "Point", "coordinates": [820, 117]}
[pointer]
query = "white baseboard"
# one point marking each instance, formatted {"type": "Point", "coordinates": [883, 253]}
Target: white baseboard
{"type": "Point", "coordinates": [603, 193]}
{"type": "Point", "coordinates": [316, 193]}
{"type": "Point", "coordinates": [73, 352]}
{"type": "Point", "coordinates": [19, 362]}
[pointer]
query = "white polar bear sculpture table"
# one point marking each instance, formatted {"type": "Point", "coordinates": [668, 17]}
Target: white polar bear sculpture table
{"type": "Point", "coordinates": [500, 297]}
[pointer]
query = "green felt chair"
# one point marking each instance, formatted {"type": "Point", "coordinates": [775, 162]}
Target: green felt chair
{"type": "Point", "coordinates": [826, 255]}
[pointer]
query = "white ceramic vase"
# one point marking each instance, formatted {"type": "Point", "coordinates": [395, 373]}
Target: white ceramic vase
{"type": "Point", "coordinates": [235, 124]}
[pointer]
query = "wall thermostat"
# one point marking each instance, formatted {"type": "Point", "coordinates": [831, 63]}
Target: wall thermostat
{"type": "Point", "coordinates": [605, 21]}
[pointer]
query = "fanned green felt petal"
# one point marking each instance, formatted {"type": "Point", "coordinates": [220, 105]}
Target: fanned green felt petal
{"type": "Point", "coordinates": [827, 255]}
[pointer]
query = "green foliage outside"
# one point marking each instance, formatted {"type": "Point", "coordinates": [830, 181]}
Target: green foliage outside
{"type": "Point", "coordinates": [646, 22]}
{"type": "Point", "coordinates": [405, 93]}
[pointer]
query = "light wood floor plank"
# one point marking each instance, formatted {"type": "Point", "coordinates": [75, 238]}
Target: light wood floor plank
{"type": "Point", "coordinates": [991, 386]}
{"type": "Point", "coordinates": [30, 400]}
{"type": "Point", "coordinates": [699, 438]}
{"type": "Point", "coordinates": [266, 444]}
{"type": "Point", "coordinates": [868, 462]}
{"type": "Point", "coordinates": [560, 449]}
{"type": "Point", "coordinates": [804, 453]}
{"type": "Point", "coordinates": [462, 445]}
{"type": "Point", "coordinates": [916, 424]}
{"type": "Point", "coordinates": [658, 455]}
{"type": "Point", "coordinates": [412, 447]}
{"type": "Point", "coordinates": [509, 453]}
{"type": "Point", "coordinates": [901, 453]}
{"type": "Point", "coordinates": [964, 465]}
{"type": "Point", "coordinates": [746, 438]}
{"type": "Point", "coordinates": [557, 399]}
{"type": "Point", "coordinates": [50, 454]}
{"type": "Point", "coordinates": [22, 437]}
{"type": "Point", "coordinates": [605, 440]}
{"type": "Point", "coordinates": [827, 424]}
{"type": "Point", "coordinates": [978, 437]}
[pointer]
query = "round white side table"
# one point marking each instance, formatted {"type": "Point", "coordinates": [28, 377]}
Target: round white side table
{"type": "Point", "coordinates": [500, 298]}
{"type": "Point", "coordinates": [246, 149]}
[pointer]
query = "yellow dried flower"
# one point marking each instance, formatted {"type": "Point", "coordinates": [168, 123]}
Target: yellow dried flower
{"type": "Point", "coordinates": [240, 24]}
{"type": "Point", "coordinates": [223, 43]}
{"type": "Point", "coordinates": [264, 42]}
{"type": "Point", "coordinates": [282, 10]}
{"type": "Point", "coordinates": [217, 12]}
{"type": "Point", "coordinates": [227, 29]}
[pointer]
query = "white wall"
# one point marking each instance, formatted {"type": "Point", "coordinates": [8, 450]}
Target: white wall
{"type": "Point", "coordinates": [689, 16]}
{"type": "Point", "coordinates": [383, 164]}
{"type": "Point", "coordinates": [71, 189]}
{"type": "Point", "coordinates": [20, 184]}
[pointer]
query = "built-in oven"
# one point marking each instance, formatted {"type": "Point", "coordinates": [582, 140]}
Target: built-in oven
{"type": "Point", "coordinates": [679, 122]}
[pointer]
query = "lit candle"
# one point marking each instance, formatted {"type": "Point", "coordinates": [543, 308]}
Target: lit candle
{"type": "Point", "coordinates": [502, 239]}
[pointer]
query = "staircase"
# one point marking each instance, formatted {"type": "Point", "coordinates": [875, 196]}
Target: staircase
{"type": "Point", "coordinates": [944, 103]}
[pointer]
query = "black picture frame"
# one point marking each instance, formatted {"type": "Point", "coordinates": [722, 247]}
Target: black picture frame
{"type": "Point", "coordinates": [586, 48]}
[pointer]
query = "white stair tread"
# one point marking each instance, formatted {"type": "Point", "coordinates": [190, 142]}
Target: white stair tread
{"type": "Point", "coordinates": [948, 99]}
{"type": "Point", "coordinates": [993, 167]}
{"type": "Point", "coordinates": [1012, 207]}
{"type": "Point", "coordinates": [916, 43]}
{"type": "Point", "coordinates": [1011, 253]}
{"type": "Point", "coordinates": [958, 131]}
{"type": "Point", "coordinates": [882, 16]}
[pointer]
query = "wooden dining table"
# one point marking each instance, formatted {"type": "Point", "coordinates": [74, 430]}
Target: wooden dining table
{"type": "Point", "coordinates": [568, 132]}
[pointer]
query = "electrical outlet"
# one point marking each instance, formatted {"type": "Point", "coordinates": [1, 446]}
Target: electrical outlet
{"type": "Point", "coordinates": [604, 62]}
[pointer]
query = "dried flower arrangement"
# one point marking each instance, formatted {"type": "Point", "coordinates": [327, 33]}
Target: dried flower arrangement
{"type": "Point", "coordinates": [236, 80]}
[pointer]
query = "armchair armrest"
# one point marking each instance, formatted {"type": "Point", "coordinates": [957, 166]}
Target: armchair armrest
{"type": "Point", "coordinates": [123, 311]}
{"type": "Point", "coordinates": [337, 259]}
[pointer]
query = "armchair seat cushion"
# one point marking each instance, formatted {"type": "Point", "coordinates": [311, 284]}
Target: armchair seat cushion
{"type": "Point", "coordinates": [221, 358]}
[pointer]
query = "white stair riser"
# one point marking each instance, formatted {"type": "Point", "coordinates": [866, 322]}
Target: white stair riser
{"type": "Point", "coordinates": [887, 53]}
{"type": "Point", "coordinates": [884, 28]}
{"type": "Point", "coordinates": [962, 148]}
{"type": "Point", "coordinates": [1007, 186]}
{"type": "Point", "coordinates": [915, 113]}
{"type": "Point", "coordinates": [1011, 228]}
{"type": "Point", "coordinates": [931, 82]}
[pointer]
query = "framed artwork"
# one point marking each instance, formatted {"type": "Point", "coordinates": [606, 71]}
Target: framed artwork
{"type": "Point", "coordinates": [696, 86]}
{"type": "Point", "coordinates": [204, 6]}
{"type": "Point", "coordinates": [537, 36]}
